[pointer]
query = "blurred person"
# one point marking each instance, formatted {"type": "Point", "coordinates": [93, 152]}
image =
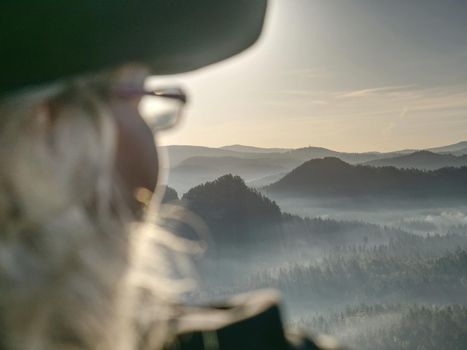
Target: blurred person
{"type": "Point", "coordinates": [83, 264]}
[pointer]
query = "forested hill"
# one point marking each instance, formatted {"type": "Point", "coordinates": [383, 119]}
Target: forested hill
{"type": "Point", "coordinates": [332, 177]}
{"type": "Point", "coordinates": [237, 214]}
{"type": "Point", "coordinates": [229, 207]}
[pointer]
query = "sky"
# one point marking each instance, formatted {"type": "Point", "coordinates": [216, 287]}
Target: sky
{"type": "Point", "coordinates": [350, 75]}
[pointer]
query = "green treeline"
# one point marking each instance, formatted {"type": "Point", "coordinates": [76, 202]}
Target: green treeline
{"type": "Point", "coordinates": [368, 276]}
{"type": "Point", "coordinates": [410, 290]}
{"type": "Point", "coordinates": [391, 327]}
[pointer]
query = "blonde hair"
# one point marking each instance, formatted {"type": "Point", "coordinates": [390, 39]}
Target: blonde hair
{"type": "Point", "coordinates": [72, 273]}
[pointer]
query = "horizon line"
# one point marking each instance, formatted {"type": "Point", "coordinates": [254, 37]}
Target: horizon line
{"type": "Point", "coordinates": [310, 146]}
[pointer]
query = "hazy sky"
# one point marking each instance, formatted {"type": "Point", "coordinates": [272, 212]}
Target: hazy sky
{"type": "Point", "coordinates": [351, 75]}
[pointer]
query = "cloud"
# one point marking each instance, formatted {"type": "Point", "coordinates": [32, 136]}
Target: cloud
{"type": "Point", "coordinates": [373, 91]}
{"type": "Point", "coordinates": [388, 130]}
{"type": "Point", "coordinates": [296, 97]}
{"type": "Point", "coordinates": [293, 92]}
{"type": "Point", "coordinates": [388, 105]}
{"type": "Point", "coordinates": [424, 104]}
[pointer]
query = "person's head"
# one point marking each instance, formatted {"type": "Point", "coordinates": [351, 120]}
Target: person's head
{"type": "Point", "coordinates": [80, 267]}
{"type": "Point", "coordinates": [75, 158]}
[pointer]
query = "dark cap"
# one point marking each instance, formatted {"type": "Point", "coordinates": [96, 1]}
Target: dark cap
{"type": "Point", "coordinates": [46, 40]}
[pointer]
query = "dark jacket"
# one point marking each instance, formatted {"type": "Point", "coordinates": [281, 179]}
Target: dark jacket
{"type": "Point", "coordinates": [250, 321]}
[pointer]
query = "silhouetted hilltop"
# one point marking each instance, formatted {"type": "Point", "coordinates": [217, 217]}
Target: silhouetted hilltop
{"type": "Point", "coordinates": [424, 160]}
{"type": "Point", "coordinates": [230, 208]}
{"type": "Point", "coordinates": [308, 153]}
{"type": "Point", "coordinates": [331, 177]}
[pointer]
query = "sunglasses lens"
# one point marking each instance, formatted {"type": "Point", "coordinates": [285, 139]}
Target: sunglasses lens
{"type": "Point", "coordinates": [160, 113]}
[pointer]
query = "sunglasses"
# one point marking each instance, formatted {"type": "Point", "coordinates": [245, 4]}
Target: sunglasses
{"type": "Point", "coordinates": [161, 108]}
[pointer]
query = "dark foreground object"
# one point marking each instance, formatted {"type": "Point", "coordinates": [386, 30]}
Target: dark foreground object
{"type": "Point", "coordinates": [250, 321]}
{"type": "Point", "coordinates": [74, 37]}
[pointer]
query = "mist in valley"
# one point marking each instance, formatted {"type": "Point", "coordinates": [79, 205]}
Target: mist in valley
{"type": "Point", "coordinates": [371, 266]}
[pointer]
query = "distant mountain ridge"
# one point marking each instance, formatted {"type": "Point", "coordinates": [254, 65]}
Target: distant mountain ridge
{"type": "Point", "coordinates": [196, 170]}
{"type": "Point", "coordinates": [253, 149]}
{"type": "Point", "coordinates": [192, 165]}
{"type": "Point", "coordinates": [424, 160]}
{"type": "Point", "coordinates": [178, 153]}
{"type": "Point", "coordinates": [332, 177]}
{"type": "Point", "coordinates": [456, 148]}
{"type": "Point", "coordinates": [308, 153]}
